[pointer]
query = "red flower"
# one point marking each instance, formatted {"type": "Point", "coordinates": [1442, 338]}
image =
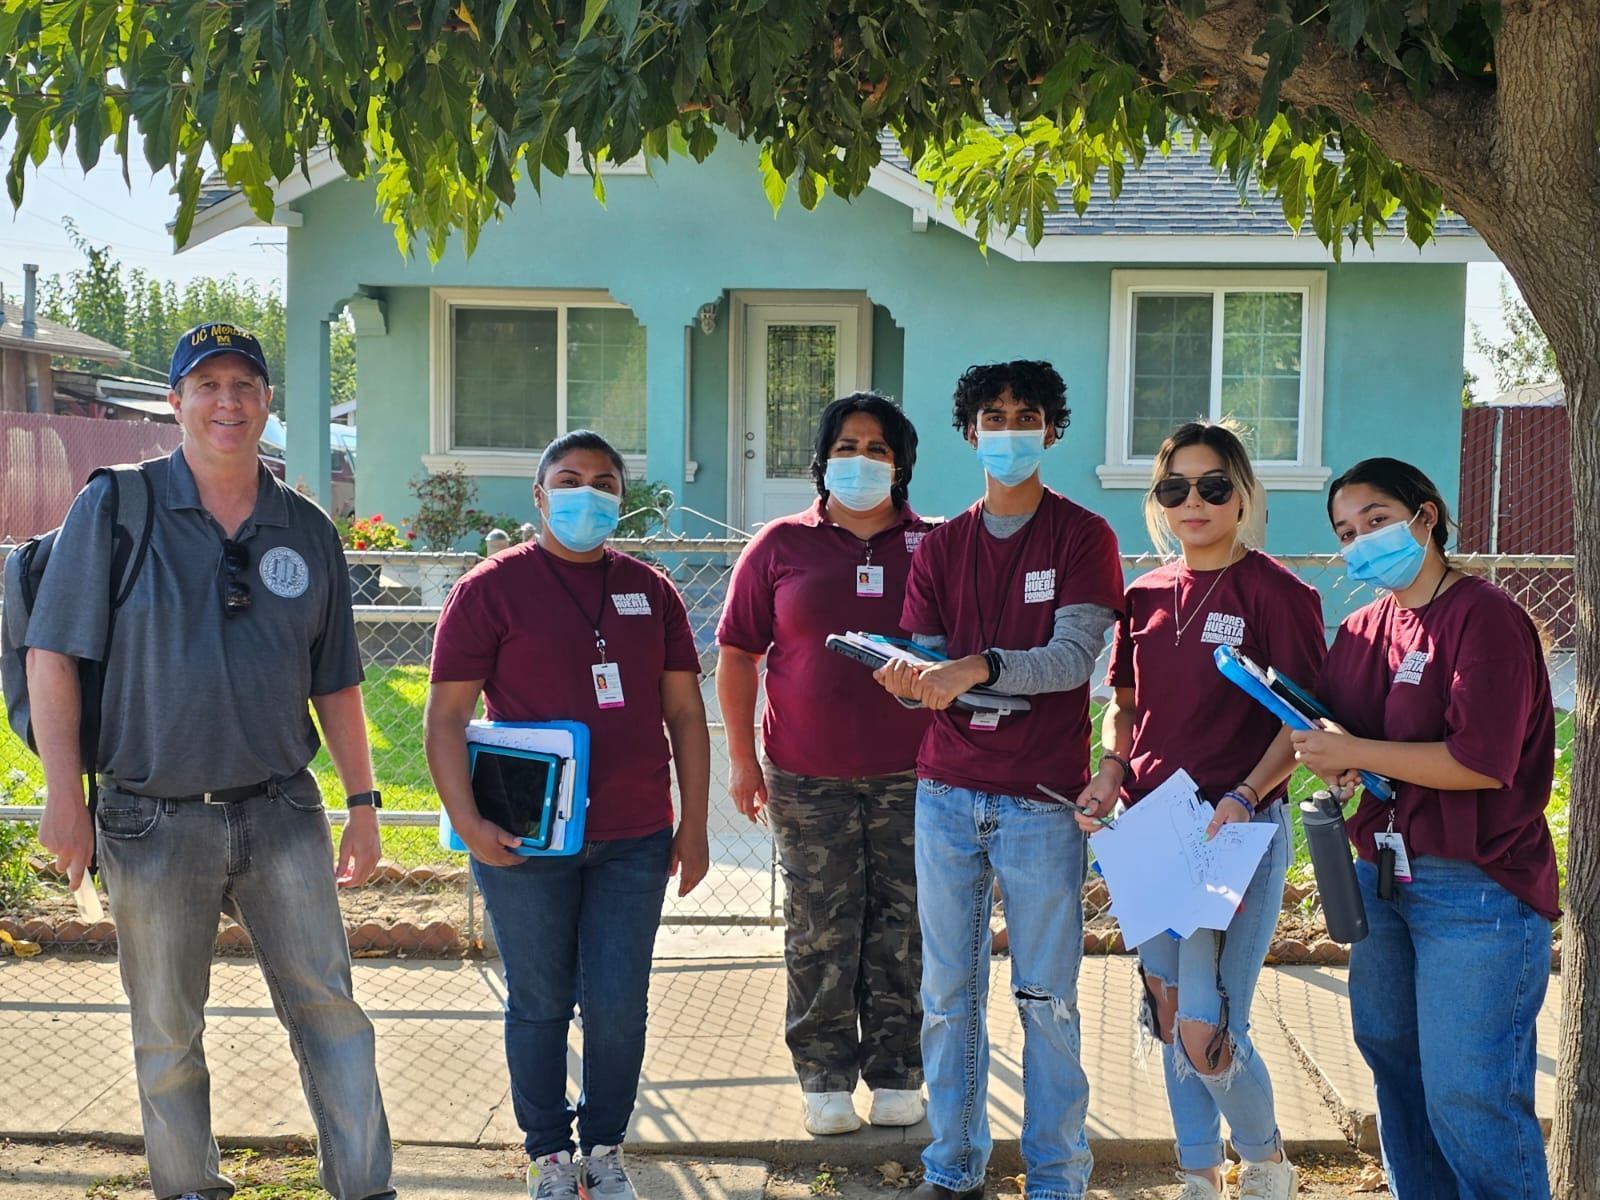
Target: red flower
{"type": "Point", "coordinates": [376, 517]}
{"type": "Point", "coordinates": [412, 534]}
{"type": "Point", "coordinates": [360, 544]}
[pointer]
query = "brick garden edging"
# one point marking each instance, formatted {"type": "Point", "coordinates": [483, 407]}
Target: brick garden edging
{"type": "Point", "coordinates": [1301, 939]}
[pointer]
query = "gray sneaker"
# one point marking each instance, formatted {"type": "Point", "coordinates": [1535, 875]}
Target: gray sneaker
{"type": "Point", "coordinates": [605, 1178]}
{"type": "Point", "coordinates": [553, 1177]}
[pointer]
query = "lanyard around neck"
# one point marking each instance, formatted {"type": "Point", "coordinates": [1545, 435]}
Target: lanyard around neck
{"type": "Point", "coordinates": [1021, 536]}
{"type": "Point", "coordinates": [600, 609]}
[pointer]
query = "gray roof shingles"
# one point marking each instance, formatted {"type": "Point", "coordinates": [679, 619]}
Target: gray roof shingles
{"type": "Point", "coordinates": [1179, 193]}
{"type": "Point", "coordinates": [56, 340]}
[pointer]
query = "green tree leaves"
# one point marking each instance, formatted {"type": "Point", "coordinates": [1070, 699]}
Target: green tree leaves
{"type": "Point", "coordinates": [455, 104]}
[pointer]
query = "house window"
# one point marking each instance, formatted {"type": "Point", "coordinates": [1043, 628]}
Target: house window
{"type": "Point", "coordinates": [1209, 345]}
{"type": "Point", "coordinates": [514, 370]}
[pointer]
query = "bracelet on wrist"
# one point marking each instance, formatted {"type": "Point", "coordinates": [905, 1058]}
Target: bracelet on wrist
{"type": "Point", "coordinates": [1230, 794]}
{"type": "Point", "coordinates": [1128, 775]}
{"type": "Point", "coordinates": [992, 658]}
{"type": "Point", "coordinates": [1255, 796]}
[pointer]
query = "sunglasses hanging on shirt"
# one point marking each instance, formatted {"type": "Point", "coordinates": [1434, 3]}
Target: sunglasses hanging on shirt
{"type": "Point", "coordinates": [236, 599]}
{"type": "Point", "coordinates": [1174, 490]}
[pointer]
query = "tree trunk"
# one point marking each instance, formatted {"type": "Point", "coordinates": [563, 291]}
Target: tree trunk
{"type": "Point", "coordinates": [1575, 1136]}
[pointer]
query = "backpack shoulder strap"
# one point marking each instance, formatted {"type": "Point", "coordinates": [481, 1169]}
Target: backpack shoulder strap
{"type": "Point", "coordinates": [133, 510]}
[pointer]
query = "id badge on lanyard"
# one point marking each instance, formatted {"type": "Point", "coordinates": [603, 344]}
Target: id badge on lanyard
{"type": "Point", "coordinates": [869, 578]}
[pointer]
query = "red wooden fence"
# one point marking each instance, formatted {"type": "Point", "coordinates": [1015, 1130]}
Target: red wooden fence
{"type": "Point", "coordinates": [45, 460]}
{"type": "Point", "coordinates": [1534, 511]}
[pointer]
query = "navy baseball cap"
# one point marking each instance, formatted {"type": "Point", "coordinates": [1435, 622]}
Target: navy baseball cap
{"type": "Point", "coordinates": [212, 338]}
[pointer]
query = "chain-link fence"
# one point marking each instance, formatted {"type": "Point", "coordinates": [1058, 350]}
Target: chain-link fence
{"type": "Point", "coordinates": [422, 901]}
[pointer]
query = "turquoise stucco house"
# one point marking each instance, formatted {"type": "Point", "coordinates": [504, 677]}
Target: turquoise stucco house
{"type": "Point", "coordinates": [703, 335]}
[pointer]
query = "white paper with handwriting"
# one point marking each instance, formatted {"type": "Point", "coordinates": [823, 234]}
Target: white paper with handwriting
{"type": "Point", "coordinates": [1164, 874]}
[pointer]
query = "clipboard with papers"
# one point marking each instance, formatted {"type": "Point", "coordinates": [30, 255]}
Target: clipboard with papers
{"type": "Point", "coordinates": [1287, 701]}
{"type": "Point", "coordinates": [531, 778]}
{"type": "Point", "coordinates": [874, 650]}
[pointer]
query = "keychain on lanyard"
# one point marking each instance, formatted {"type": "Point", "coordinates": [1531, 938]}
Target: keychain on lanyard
{"type": "Point", "coordinates": [606, 676]}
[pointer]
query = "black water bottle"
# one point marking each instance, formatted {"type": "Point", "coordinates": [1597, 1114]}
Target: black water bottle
{"type": "Point", "coordinates": [1323, 820]}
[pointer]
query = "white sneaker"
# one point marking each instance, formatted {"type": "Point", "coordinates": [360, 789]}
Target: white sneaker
{"type": "Point", "coordinates": [1268, 1181]}
{"type": "Point", "coordinates": [894, 1106]}
{"type": "Point", "coordinates": [830, 1112]}
{"type": "Point", "coordinates": [553, 1177]}
{"type": "Point", "coordinates": [1198, 1187]}
{"type": "Point", "coordinates": [604, 1177]}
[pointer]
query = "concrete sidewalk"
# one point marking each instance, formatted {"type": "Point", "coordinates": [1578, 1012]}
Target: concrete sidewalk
{"type": "Point", "coordinates": [717, 1077]}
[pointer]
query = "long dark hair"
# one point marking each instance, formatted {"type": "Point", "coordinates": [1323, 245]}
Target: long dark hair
{"type": "Point", "coordinates": [898, 431]}
{"type": "Point", "coordinates": [1402, 483]}
{"type": "Point", "coordinates": [1030, 381]}
{"type": "Point", "coordinates": [580, 439]}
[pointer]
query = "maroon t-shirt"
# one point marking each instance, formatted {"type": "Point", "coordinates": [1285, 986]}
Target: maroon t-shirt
{"type": "Point", "coordinates": [981, 592]}
{"type": "Point", "coordinates": [510, 623]}
{"type": "Point", "coordinates": [795, 584]}
{"type": "Point", "coordinates": [1187, 715]}
{"type": "Point", "coordinates": [1466, 670]}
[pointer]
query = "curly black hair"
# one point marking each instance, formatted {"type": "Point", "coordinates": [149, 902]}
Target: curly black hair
{"type": "Point", "coordinates": [1032, 381]}
{"type": "Point", "coordinates": [898, 432]}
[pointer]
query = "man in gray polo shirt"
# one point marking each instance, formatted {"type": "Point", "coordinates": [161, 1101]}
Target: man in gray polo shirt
{"type": "Point", "coordinates": [239, 617]}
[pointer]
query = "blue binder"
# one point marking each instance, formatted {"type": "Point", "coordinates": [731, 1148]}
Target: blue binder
{"type": "Point", "coordinates": [1240, 671]}
{"type": "Point", "coordinates": [569, 811]}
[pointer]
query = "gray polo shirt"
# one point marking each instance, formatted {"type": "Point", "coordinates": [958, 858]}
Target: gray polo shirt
{"type": "Point", "coordinates": [196, 700]}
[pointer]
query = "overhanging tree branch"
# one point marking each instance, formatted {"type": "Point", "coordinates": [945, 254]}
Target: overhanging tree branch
{"type": "Point", "coordinates": [1444, 134]}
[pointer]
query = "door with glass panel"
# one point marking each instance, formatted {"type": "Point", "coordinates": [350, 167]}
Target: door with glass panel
{"type": "Point", "coordinates": [798, 359]}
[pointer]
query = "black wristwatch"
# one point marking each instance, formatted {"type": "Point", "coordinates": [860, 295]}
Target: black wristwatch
{"type": "Point", "coordinates": [363, 799]}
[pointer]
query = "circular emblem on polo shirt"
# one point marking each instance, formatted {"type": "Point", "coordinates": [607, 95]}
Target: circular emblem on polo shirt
{"type": "Point", "coordinates": [284, 572]}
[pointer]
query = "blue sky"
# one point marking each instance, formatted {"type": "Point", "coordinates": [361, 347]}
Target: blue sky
{"type": "Point", "coordinates": [133, 222]}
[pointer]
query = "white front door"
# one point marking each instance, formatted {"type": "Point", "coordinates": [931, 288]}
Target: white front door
{"type": "Point", "coordinates": [798, 359]}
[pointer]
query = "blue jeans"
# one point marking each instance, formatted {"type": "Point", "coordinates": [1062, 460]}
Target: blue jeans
{"type": "Point", "coordinates": [170, 867]}
{"type": "Point", "coordinates": [966, 840]}
{"type": "Point", "coordinates": [1242, 1091]}
{"type": "Point", "coordinates": [578, 927]}
{"type": "Point", "coordinates": [1444, 993]}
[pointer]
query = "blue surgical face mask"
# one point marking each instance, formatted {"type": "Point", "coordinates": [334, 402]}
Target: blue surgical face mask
{"type": "Point", "coordinates": [858, 482]}
{"type": "Point", "coordinates": [582, 517]}
{"type": "Point", "coordinates": [1010, 455]}
{"type": "Point", "coordinates": [1389, 557]}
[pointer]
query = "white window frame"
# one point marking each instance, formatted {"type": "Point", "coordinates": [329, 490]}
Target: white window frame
{"type": "Point", "coordinates": [1123, 470]}
{"type": "Point", "coordinates": [442, 306]}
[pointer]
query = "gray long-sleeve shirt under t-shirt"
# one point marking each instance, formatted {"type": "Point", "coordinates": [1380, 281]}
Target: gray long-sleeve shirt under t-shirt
{"type": "Point", "coordinates": [1067, 660]}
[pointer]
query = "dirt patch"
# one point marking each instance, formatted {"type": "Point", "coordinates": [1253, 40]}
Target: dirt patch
{"type": "Point", "coordinates": [1320, 1178]}
{"type": "Point", "coordinates": [88, 1171]}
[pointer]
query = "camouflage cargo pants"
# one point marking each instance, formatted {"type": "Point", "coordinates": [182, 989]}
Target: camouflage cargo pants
{"type": "Point", "coordinates": [853, 946]}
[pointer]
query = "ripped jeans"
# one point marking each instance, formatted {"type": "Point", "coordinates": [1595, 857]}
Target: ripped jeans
{"type": "Point", "coordinates": [965, 841]}
{"type": "Point", "coordinates": [1241, 1091]}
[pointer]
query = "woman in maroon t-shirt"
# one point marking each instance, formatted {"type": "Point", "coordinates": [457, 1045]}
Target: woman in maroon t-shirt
{"type": "Point", "coordinates": [836, 775]}
{"type": "Point", "coordinates": [1172, 709]}
{"type": "Point", "coordinates": [1442, 687]}
{"type": "Point", "coordinates": [565, 628]}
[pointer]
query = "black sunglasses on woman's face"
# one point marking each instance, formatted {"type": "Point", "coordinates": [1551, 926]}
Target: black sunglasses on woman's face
{"type": "Point", "coordinates": [1174, 490]}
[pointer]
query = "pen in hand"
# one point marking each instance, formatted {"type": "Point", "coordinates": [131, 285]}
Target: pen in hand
{"type": "Point", "coordinates": [1103, 822]}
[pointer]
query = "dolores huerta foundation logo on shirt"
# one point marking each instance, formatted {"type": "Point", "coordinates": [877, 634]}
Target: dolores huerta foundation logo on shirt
{"type": "Point", "coordinates": [1223, 629]}
{"type": "Point", "coordinates": [631, 604]}
{"type": "Point", "coordinates": [1412, 667]}
{"type": "Point", "coordinates": [1038, 586]}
